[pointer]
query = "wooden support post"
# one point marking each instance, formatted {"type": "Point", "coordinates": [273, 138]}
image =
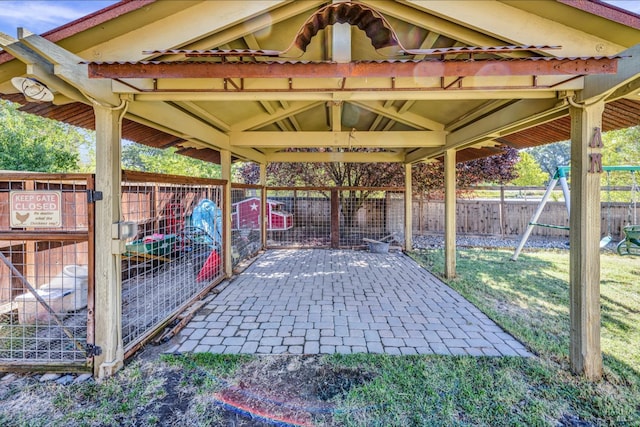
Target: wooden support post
{"type": "Point", "coordinates": [225, 166]}
{"type": "Point", "coordinates": [584, 225]}
{"type": "Point", "coordinates": [108, 270]}
{"type": "Point", "coordinates": [335, 219]}
{"type": "Point", "coordinates": [502, 213]}
{"type": "Point", "coordinates": [450, 213]}
{"type": "Point", "coordinates": [408, 209]}
{"type": "Point", "coordinates": [340, 41]}
{"type": "Point", "coordinates": [263, 204]}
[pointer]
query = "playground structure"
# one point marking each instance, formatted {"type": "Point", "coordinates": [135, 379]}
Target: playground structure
{"type": "Point", "coordinates": [631, 243]}
{"type": "Point", "coordinates": [629, 246]}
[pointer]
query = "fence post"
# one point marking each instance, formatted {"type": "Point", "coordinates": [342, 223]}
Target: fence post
{"type": "Point", "coordinates": [450, 213]}
{"type": "Point", "coordinates": [108, 270]}
{"type": "Point", "coordinates": [408, 193]}
{"type": "Point", "coordinates": [263, 205]}
{"type": "Point", "coordinates": [225, 163]}
{"type": "Point", "coordinates": [502, 212]}
{"type": "Point", "coordinates": [335, 219]}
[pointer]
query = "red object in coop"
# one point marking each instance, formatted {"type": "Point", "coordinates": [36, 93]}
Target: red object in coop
{"type": "Point", "coordinates": [174, 218]}
{"type": "Point", "coordinates": [210, 268]}
{"type": "Point", "coordinates": [246, 215]}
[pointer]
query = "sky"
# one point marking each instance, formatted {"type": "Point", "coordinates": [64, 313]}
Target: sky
{"type": "Point", "coordinates": [44, 15]}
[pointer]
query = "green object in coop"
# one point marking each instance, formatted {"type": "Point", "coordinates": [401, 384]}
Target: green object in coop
{"type": "Point", "coordinates": [156, 244]}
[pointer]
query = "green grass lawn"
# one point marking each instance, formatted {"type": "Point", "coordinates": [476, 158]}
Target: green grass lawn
{"type": "Point", "coordinates": [528, 298]}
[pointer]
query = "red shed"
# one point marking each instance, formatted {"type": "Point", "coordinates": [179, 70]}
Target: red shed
{"type": "Point", "coordinates": [246, 214]}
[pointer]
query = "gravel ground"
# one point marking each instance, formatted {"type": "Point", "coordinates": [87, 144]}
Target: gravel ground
{"type": "Point", "coordinates": [435, 241]}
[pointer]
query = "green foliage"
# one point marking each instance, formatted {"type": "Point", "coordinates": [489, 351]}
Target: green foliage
{"type": "Point", "coordinates": [529, 171]}
{"type": "Point", "coordinates": [428, 178]}
{"type": "Point", "coordinates": [621, 147]}
{"type": "Point", "coordinates": [550, 156]}
{"type": "Point", "coordinates": [36, 144]}
{"type": "Point", "coordinates": [148, 159]}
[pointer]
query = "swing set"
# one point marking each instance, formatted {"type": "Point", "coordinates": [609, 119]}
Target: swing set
{"type": "Point", "coordinates": [630, 245]}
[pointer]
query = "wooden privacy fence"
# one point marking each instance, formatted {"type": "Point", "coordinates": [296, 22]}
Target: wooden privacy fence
{"type": "Point", "coordinates": [509, 218]}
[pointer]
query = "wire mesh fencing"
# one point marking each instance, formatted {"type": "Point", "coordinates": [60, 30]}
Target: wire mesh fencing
{"type": "Point", "coordinates": [246, 222]}
{"type": "Point", "coordinates": [46, 256]}
{"type": "Point", "coordinates": [177, 253]}
{"type": "Point", "coordinates": [337, 217]}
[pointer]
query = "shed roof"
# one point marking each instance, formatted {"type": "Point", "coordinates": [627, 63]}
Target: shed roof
{"type": "Point", "coordinates": [411, 77]}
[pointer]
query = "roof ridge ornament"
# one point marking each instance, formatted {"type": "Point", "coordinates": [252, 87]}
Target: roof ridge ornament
{"type": "Point", "coordinates": [369, 20]}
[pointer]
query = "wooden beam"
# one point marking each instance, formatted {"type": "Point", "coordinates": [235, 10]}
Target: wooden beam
{"type": "Point", "coordinates": [401, 116]}
{"type": "Point", "coordinates": [516, 26]}
{"type": "Point", "coordinates": [337, 139]}
{"type": "Point", "coordinates": [69, 68]}
{"type": "Point", "coordinates": [446, 27]}
{"type": "Point", "coordinates": [450, 213]}
{"type": "Point", "coordinates": [327, 95]}
{"type": "Point", "coordinates": [226, 22]}
{"type": "Point", "coordinates": [482, 110]}
{"type": "Point", "coordinates": [517, 116]}
{"type": "Point", "coordinates": [39, 68]}
{"type": "Point", "coordinates": [628, 71]}
{"type": "Point", "coordinates": [340, 41]}
{"type": "Point", "coordinates": [322, 157]}
{"type": "Point", "coordinates": [260, 120]}
{"type": "Point", "coordinates": [205, 114]}
{"type": "Point", "coordinates": [167, 117]}
{"type": "Point", "coordinates": [584, 236]}
{"type": "Point", "coordinates": [336, 116]}
{"type": "Point", "coordinates": [108, 276]}
{"type": "Point", "coordinates": [477, 68]}
{"type": "Point", "coordinates": [243, 26]}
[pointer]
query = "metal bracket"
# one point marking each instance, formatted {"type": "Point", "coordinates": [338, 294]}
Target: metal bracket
{"type": "Point", "coordinates": [93, 350]}
{"type": "Point", "coordinates": [93, 196]}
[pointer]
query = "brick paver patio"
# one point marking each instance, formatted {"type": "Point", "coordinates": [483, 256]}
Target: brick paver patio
{"type": "Point", "coordinates": [315, 301]}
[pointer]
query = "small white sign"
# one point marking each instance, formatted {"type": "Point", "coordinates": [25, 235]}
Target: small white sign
{"type": "Point", "coordinates": [40, 208]}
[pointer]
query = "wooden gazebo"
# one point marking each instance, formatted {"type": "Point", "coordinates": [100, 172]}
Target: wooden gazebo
{"type": "Point", "coordinates": [416, 80]}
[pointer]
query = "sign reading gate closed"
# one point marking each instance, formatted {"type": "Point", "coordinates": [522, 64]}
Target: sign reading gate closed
{"type": "Point", "coordinates": [40, 208]}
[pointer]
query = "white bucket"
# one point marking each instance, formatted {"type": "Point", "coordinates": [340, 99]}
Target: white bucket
{"type": "Point", "coordinates": [74, 278]}
{"type": "Point", "coordinates": [30, 310]}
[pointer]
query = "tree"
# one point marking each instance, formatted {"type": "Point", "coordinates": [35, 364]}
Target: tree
{"type": "Point", "coordinates": [148, 159]}
{"type": "Point", "coordinates": [35, 144]}
{"type": "Point", "coordinates": [427, 178]}
{"type": "Point", "coordinates": [550, 156]}
{"type": "Point", "coordinates": [529, 171]}
{"type": "Point", "coordinates": [621, 147]}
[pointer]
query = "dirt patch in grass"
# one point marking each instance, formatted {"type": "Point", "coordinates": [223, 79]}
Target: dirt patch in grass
{"type": "Point", "coordinates": [292, 389]}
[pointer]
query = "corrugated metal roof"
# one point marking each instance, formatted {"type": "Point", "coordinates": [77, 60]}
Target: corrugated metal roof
{"type": "Point", "coordinates": [213, 52]}
{"type": "Point", "coordinates": [273, 53]}
{"type": "Point", "coordinates": [480, 49]}
{"type": "Point", "coordinates": [376, 61]}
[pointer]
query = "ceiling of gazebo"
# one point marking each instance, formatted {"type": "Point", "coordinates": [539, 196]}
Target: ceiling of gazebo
{"type": "Point", "coordinates": [207, 76]}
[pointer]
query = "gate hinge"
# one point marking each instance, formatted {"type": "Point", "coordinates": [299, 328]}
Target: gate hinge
{"type": "Point", "coordinates": [93, 196]}
{"type": "Point", "coordinates": [93, 350]}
